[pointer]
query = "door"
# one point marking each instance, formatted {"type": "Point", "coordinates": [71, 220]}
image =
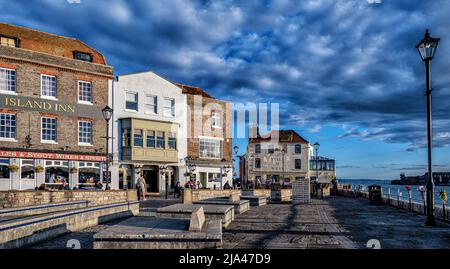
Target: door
{"type": "Point", "coordinates": [151, 179]}
{"type": "Point", "coordinates": [203, 179]}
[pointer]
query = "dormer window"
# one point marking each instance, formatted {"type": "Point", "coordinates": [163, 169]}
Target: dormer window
{"type": "Point", "coordinates": [83, 56]}
{"type": "Point", "coordinates": [9, 41]}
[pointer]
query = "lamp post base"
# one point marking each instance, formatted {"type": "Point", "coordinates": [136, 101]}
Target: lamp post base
{"type": "Point", "coordinates": [431, 222]}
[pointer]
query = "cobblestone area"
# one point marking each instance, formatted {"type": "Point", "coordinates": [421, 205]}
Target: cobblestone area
{"type": "Point", "coordinates": [284, 226]}
{"type": "Point", "coordinates": [334, 223]}
{"type": "Point", "coordinates": [337, 222]}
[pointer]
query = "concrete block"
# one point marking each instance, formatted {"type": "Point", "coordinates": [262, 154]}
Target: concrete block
{"type": "Point", "coordinates": [197, 220]}
{"type": "Point", "coordinates": [225, 213]}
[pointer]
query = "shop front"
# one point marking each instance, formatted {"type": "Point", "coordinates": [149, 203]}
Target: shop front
{"type": "Point", "coordinates": [30, 170]}
{"type": "Point", "coordinates": [155, 177]}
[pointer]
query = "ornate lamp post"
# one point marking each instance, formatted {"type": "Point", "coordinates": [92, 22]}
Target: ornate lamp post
{"type": "Point", "coordinates": [316, 148]}
{"type": "Point", "coordinates": [236, 151]}
{"type": "Point", "coordinates": [427, 48]}
{"type": "Point", "coordinates": [163, 171]}
{"type": "Point", "coordinates": [107, 115]}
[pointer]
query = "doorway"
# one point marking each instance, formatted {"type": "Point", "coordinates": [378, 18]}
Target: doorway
{"type": "Point", "coordinates": [152, 180]}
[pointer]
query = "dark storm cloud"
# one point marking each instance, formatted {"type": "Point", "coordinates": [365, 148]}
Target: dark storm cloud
{"type": "Point", "coordinates": [345, 62]}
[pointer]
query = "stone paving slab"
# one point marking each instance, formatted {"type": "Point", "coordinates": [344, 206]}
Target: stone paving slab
{"type": "Point", "coordinates": [240, 207]}
{"type": "Point", "coordinates": [155, 233]}
{"type": "Point", "coordinates": [221, 212]}
{"type": "Point", "coordinates": [334, 223]}
{"type": "Point", "coordinates": [255, 200]}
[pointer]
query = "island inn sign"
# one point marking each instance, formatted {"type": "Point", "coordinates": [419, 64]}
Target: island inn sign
{"type": "Point", "coordinates": [52, 91]}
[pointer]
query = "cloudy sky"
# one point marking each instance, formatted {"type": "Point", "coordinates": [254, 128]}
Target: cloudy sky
{"type": "Point", "coordinates": [345, 72]}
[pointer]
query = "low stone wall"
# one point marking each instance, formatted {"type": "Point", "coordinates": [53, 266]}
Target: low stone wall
{"type": "Point", "coordinates": [26, 232]}
{"type": "Point", "coordinates": [401, 204]}
{"type": "Point", "coordinates": [42, 209]}
{"type": "Point", "coordinates": [12, 199]}
{"type": "Point", "coordinates": [283, 195]}
{"type": "Point", "coordinates": [258, 192]}
{"type": "Point", "coordinates": [190, 196]}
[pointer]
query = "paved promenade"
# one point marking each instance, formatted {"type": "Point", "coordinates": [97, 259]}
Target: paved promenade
{"type": "Point", "coordinates": [335, 223]}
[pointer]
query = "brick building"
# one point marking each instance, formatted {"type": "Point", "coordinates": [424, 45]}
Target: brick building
{"type": "Point", "coordinates": [52, 91]}
{"type": "Point", "coordinates": [209, 138]}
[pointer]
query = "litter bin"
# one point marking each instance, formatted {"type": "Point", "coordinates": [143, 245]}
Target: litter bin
{"type": "Point", "coordinates": [375, 194]}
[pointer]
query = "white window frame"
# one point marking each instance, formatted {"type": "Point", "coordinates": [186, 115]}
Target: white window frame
{"type": "Point", "coordinates": [92, 133]}
{"type": "Point", "coordinates": [44, 141]}
{"type": "Point", "coordinates": [6, 70]}
{"type": "Point", "coordinates": [216, 119]}
{"type": "Point", "coordinates": [79, 96]}
{"type": "Point", "coordinates": [10, 139]}
{"type": "Point", "coordinates": [172, 107]}
{"type": "Point", "coordinates": [22, 165]}
{"type": "Point", "coordinates": [137, 101]}
{"type": "Point", "coordinates": [155, 105]}
{"type": "Point", "coordinates": [7, 43]}
{"type": "Point", "coordinates": [210, 154]}
{"type": "Point", "coordinates": [42, 87]}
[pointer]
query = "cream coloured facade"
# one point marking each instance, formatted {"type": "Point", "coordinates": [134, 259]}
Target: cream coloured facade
{"type": "Point", "coordinates": [283, 160]}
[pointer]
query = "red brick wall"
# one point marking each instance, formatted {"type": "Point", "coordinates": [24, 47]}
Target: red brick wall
{"type": "Point", "coordinates": [68, 73]}
{"type": "Point", "coordinates": [209, 105]}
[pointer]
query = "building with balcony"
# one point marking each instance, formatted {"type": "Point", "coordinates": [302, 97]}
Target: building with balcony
{"type": "Point", "coordinates": [209, 140]}
{"type": "Point", "coordinates": [150, 132]}
{"type": "Point", "coordinates": [52, 91]}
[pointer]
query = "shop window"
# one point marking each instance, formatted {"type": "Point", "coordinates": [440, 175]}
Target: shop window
{"type": "Point", "coordinates": [88, 173]}
{"type": "Point", "coordinates": [27, 169]}
{"type": "Point", "coordinates": [125, 177]}
{"type": "Point", "coordinates": [214, 177]}
{"type": "Point", "coordinates": [57, 172]}
{"type": "Point", "coordinates": [4, 169]}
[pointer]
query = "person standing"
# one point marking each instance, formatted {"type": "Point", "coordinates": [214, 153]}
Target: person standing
{"type": "Point", "coordinates": [141, 186]}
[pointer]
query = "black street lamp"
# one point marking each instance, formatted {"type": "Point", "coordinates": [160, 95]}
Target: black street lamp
{"type": "Point", "coordinates": [163, 170]}
{"type": "Point", "coordinates": [316, 147]}
{"type": "Point", "coordinates": [236, 151]}
{"type": "Point", "coordinates": [427, 48]}
{"type": "Point", "coordinates": [107, 115]}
